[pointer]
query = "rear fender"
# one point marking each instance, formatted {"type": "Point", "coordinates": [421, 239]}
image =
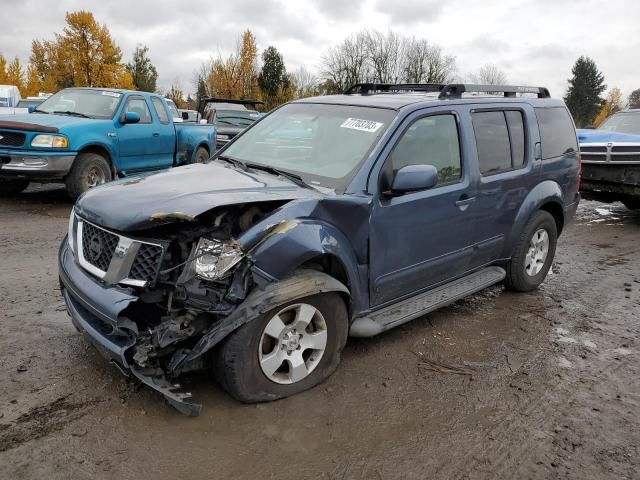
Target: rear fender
{"type": "Point", "coordinates": [545, 192]}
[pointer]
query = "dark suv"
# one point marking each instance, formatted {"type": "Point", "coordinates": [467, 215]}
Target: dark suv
{"type": "Point", "coordinates": [331, 216]}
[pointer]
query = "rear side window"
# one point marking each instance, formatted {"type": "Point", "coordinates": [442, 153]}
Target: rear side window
{"type": "Point", "coordinates": [160, 110]}
{"type": "Point", "coordinates": [556, 132]}
{"type": "Point", "coordinates": [500, 140]}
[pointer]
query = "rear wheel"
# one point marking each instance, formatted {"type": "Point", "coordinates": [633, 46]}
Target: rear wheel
{"type": "Point", "coordinates": [285, 351]}
{"type": "Point", "coordinates": [202, 155]}
{"type": "Point", "coordinates": [89, 170]}
{"type": "Point", "coordinates": [533, 254]}
{"type": "Point", "coordinates": [12, 186]}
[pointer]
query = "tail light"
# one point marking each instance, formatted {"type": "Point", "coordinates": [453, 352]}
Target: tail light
{"type": "Point", "coordinates": [579, 157]}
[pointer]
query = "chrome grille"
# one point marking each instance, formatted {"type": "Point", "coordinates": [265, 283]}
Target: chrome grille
{"type": "Point", "coordinates": [145, 266]}
{"type": "Point", "coordinates": [98, 246]}
{"type": "Point", "coordinates": [610, 153]}
{"type": "Point", "coordinates": [12, 139]}
{"type": "Point", "coordinates": [117, 259]}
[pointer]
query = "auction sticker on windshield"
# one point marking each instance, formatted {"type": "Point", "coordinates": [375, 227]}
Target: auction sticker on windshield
{"type": "Point", "coordinates": [363, 125]}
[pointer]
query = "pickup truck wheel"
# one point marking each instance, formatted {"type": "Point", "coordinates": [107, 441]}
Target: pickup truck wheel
{"type": "Point", "coordinates": [287, 350]}
{"type": "Point", "coordinates": [533, 254]}
{"type": "Point", "coordinates": [89, 170]}
{"type": "Point", "coordinates": [201, 155]}
{"type": "Point", "coordinates": [632, 203]}
{"type": "Point", "coordinates": [12, 186]}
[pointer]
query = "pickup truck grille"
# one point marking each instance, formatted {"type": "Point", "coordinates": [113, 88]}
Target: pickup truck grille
{"type": "Point", "coordinates": [99, 248]}
{"type": "Point", "coordinates": [12, 139]}
{"type": "Point", "coordinates": [610, 153]}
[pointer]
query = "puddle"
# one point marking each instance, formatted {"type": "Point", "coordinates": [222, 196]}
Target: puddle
{"type": "Point", "coordinates": [594, 213]}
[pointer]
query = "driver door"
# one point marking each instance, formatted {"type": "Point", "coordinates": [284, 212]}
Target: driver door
{"type": "Point", "coordinates": [424, 238]}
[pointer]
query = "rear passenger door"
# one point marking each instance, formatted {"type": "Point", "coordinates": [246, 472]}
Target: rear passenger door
{"type": "Point", "coordinates": [505, 140]}
{"type": "Point", "coordinates": [164, 133]}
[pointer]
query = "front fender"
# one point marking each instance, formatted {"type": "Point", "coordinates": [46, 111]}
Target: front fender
{"type": "Point", "coordinates": [543, 193]}
{"type": "Point", "coordinates": [291, 243]}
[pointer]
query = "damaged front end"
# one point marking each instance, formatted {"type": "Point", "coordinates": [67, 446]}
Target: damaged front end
{"type": "Point", "coordinates": [149, 301]}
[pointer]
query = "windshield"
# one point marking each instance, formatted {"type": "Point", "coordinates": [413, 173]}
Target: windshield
{"type": "Point", "coordinates": [89, 103]}
{"type": "Point", "coordinates": [623, 123]}
{"type": "Point", "coordinates": [323, 144]}
{"type": "Point", "coordinates": [235, 118]}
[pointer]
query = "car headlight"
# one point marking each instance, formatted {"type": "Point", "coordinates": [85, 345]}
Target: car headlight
{"type": "Point", "coordinates": [50, 141]}
{"type": "Point", "coordinates": [215, 258]}
{"type": "Point", "coordinates": [71, 237]}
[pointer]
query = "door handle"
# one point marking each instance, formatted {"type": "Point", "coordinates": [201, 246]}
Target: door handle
{"type": "Point", "coordinates": [464, 201]}
{"type": "Point", "coordinates": [156, 134]}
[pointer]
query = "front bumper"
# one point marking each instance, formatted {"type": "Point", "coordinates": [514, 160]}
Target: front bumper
{"type": "Point", "coordinates": [609, 181]}
{"type": "Point", "coordinates": [97, 311]}
{"type": "Point", "coordinates": [35, 164]}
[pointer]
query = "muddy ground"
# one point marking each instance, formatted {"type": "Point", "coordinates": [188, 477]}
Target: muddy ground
{"type": "Point", "coordinates": [501, 385]}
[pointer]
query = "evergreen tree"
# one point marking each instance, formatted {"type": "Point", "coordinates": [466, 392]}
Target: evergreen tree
{"type": "Point", "coordinates": [143, 72]}
{"type": "Point", "coordinates": [583, 97]}
{"type": "Point", "coordinates": [634, 99]}
{"type": "Point", "coordinates": [273, 75]}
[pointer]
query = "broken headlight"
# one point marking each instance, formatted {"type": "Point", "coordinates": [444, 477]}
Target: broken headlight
{"type": "Point", "coordinates": [214, 258]}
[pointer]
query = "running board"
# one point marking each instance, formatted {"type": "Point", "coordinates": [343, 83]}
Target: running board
{"type": "Point", "coordinates": [414, 307]}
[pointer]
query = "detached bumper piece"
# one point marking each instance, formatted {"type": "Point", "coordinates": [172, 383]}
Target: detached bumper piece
{"type": "Point", "coordinates": [96, 311]}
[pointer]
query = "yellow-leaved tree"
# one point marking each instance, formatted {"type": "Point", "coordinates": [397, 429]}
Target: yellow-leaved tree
{"type": "Point", "coordinates": [612, 104]}
{"type": "Point", "coordinates": [83, 55]}
{"type": "Point", "coordinates": [237, 75]}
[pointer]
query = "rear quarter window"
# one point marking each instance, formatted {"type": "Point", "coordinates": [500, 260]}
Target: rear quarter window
{"type": "Point", "coordinates": [557, 134]}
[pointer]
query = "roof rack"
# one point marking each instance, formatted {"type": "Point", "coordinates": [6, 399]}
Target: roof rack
{"type": "Point", "coordinates": [455, 90]}
{"type": "Point", "coordinates": [448, 91]}
{"type": "Point", "coordinates": [366, 88]}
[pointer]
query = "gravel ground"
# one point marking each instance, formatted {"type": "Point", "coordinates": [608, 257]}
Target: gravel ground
{"type": "Point", "coordinates": [500, 385]}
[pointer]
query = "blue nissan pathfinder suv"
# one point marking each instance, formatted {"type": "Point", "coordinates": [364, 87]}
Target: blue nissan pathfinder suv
{"type": "Point", "coordinates": [331, 216]}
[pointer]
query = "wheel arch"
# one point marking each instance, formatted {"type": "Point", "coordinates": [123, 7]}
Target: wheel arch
{"type": "Point", "coordinates": [101, 150]}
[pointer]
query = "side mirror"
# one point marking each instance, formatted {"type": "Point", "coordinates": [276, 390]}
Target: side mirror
{"type": "Point", "coordinates": [413, 178]}
{"type": "Point", "coordinates": [31, 109]}
{"type": "Point", "coordinates": [131, 117]}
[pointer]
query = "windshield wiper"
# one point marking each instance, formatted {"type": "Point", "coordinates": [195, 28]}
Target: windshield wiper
{"type": "Point", "coordinates": [297, 179]}
{"type": "Point", "coordinates": [37, 110]}
{"type": "Point", "coordinates": [233, 161]}
{"type": "Point", "coordinates": [69, 112]}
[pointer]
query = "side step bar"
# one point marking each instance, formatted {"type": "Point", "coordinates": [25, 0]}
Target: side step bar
{"type": "Point", "coordinates": [414, 307]}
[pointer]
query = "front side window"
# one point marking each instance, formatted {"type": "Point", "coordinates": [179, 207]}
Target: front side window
{"type": "Point", "coordinates": [139, 106]}
{"type": "Point", "coordinates": [160, 110]}
{"type": "Point", "coordinates": [557, 134]}
{"type": "Point", "coordinates": [324, 144]}
{"type": "Point", "coordinates": [90, 103]}
{"type": "Point", "coordinates": [500, 140]}
{"type": "Point", "coordinates": [432, 141]}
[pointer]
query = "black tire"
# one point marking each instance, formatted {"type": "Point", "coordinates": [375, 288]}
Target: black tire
{"type": "Point", "coordinates": [236, 363]}
{"type": "Point", "coordinates": [89, 170]}
{"type": "Point", "coordinates": [517, 278]}
{"type": "Point", "coordinates": [632, 203]}
{"type": "Point", "coordinates": [202, 155]}
{"type": "Point", "coordinates": [12, 186]}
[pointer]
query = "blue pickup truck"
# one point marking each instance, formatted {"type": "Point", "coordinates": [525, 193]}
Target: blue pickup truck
{"type": "Point", "coordinates": [88, 136]}
{"type": "Point", "coordinates": [611, 160]}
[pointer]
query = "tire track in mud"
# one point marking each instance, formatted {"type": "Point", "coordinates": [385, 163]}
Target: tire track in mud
{"type": "Point", "coordinates": [42, 420]}
{"type": "Point", "coordinates": [517, 458]}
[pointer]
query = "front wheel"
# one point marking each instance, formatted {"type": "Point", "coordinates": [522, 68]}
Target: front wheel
{"type": "Point", "coordinates": [285, 351]}
{"type": "Point", "coordinates": [12, 186]}
{"type": "Point", "coordinates": [89, 170]}
{"type": "Point", "coordinates": [533, 254]}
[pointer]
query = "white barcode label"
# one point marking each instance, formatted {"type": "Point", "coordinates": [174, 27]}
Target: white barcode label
{"type": "Point", "coordinates": [362, 125]}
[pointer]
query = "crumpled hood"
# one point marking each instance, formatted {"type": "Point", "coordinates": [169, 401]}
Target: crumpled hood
{"type": "Point", "coordinates": [181, 193]}
{"type": "Point", "coordinates": [604, 136]}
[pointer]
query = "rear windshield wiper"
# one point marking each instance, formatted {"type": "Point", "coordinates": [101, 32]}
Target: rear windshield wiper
{"type": "Point", "coordinates": [297, 179]}
{"type": "Point", "coordinates": [233, 161]}
{"type": "Point", "coordinates": [69, 112]}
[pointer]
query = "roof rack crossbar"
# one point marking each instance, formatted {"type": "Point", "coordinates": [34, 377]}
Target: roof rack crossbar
{"type": "Point", "coordinates": [365, 88]}
{"type": "Point", "coordinates": [455, 90]}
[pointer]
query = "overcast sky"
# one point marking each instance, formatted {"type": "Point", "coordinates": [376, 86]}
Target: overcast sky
{"type": "Point", "coordinates": [535, 42]}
